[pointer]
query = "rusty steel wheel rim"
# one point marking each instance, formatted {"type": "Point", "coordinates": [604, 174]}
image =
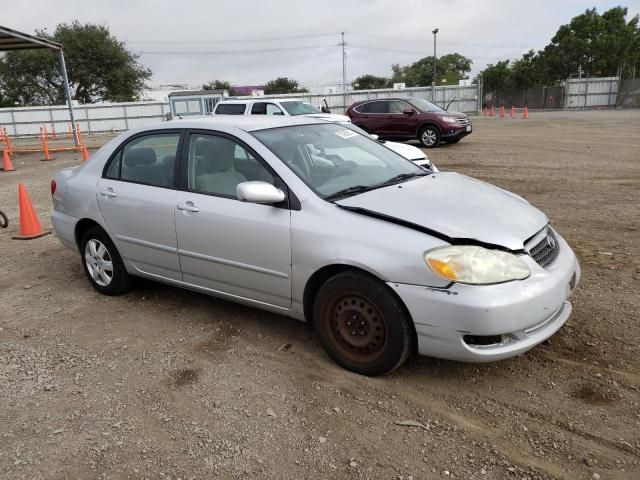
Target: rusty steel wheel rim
{"type": "Point", "coordinates": [356, 327]}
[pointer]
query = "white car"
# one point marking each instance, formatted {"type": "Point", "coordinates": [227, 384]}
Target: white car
{"type": "Point", "coordinates": [288, 107]}
{"type": "Point", "coordinates": [409, 152]}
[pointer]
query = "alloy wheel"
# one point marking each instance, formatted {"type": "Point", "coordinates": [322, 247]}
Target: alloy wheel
{"type": "Point", "coordinates": [99, 263]}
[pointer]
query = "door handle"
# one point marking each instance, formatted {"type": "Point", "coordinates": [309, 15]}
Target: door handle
{"type": "Point", "coordinates": [108, 192]}
{"type": "Point", "coordinates": [187, 207]}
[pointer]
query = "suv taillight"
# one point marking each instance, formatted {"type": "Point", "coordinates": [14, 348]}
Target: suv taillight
{"type": "Point", "coordinates": [53, 187]}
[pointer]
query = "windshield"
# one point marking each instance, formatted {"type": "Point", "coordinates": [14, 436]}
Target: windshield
{"type": "Point", "coordinates": [333, 160]}
{"type": "Point", "coordinates": [299, 108]}
{"type": "Point", "coordinates": [426, 106]}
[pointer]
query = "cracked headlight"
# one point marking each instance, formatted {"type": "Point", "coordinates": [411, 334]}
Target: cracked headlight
{"type": "Point", "coordinates": [475, 265]}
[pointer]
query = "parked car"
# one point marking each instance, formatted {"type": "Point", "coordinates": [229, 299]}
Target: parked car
{"type": "Point", "coordinates": [408, 119]}
{"type": "Point", "coordinates": [380, 255]}
{"type": "Point", "coordinates": [287, 107]}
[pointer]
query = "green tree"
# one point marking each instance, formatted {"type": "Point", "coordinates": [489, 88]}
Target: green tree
{"type": "Point", "coordinates": [496, 77]}
{"type": "Point", "coordinates": [599, 44]}
{"type": "Point", "coordinates": [283, 85]}
{"type": "Point", "coordinates": [99, 66]}
{"type": "Point", "coordinates": [219, 85]}
{"type": "Point", "coordinates": [368, 82]}
{"type": "Point", "coordinates": [451, 68]}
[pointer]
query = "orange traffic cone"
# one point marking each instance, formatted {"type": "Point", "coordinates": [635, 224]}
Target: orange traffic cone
{"type": "Point", "coordinates": [85, 153]}
{"type": "Point", "coordinates": [493, 111]}
{"type": "Point", "coordinates": [29, 223]}
{"type": "Point", "coordinates": [526, 113]}
{"type": "Point", "coordinates": [513, 111]}
{"type": "Point", "coordinates": [502, 115]}
{"type": "Point", "coordinates": [486, 111]}
{"type": "Point", "coordinates": [7, 166]}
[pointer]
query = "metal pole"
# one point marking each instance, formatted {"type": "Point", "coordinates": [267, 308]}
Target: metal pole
{"type": "Point", "coordinates": [67, 92]}
{"type": "Point", "coordinates": [435, 59]}
{"type": "Point", "coordinates": [344, 71]}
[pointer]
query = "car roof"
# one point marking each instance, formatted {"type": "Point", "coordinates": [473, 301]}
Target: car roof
{"type": "Point", "coordinates": [262, 99]}
{"type": "Point", "coordinates": [248, 123]}
{"type": "Point", "coordinates": [384, 99]}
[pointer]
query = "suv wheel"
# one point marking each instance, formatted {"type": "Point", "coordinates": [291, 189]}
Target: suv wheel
{"type": "Point", "coordinates": [362, 325]}
{"type": "Point", "coordinates": [429, 136]}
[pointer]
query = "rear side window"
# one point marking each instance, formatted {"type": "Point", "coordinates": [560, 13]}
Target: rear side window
{"type": "Point", "coordinates": [230, 109]}
{"type": "Point", "coordinates": [374, 107]}
{"type": "Point", "coordinates": [150, 159]}
{"type": "Point", "coordinates": [264, 108]}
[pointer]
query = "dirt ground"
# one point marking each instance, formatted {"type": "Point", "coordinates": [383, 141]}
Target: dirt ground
{"type": "Point", "coordinates": [166, 383]}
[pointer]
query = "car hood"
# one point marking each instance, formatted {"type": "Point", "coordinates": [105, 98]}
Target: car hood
{"type": "Point", "coordinates": [455, 206]}
{"type": "Point", "coordinates": [332, 117]}
{"type": "Point", "coordinates": [407, 151]}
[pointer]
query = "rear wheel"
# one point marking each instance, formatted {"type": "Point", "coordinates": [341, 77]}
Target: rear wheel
{"type": "Point", "coordinates": [362, 325]}
{"type": "Point", "coordinates": [429, 136]}
{"type": "Point", "coordinates": [102, 263]}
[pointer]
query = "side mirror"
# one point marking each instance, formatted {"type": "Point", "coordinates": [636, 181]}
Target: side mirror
{"type": "Point", "coordinates": [408, 111]}
{"type": "Point", "coordinates": [259, 192]}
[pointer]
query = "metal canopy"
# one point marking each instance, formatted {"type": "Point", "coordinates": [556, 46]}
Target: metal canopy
{"type": "Point", "coordinates": [11, 40]}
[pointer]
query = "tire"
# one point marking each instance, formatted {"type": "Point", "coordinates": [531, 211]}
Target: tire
{"type": "Point", "coordinates": [429, 136]}
{"type": "Point", "coordinates": [382, 337]}
{"type": "Point", "coordinates": [4, 221]}
{"type": "Point", "coordinates": [102, 263]}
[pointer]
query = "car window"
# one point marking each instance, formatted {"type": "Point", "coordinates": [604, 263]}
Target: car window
{"type": "Point", "coordinates": [218, 164]}
{"type": "Point", "coordinates": [299, 108]}
{"type": "Point", "coordinates": [230, 109]}
{"type": "Point", "coordinates": [396, 106]}
{"type": "Point", "coordinates": [273, 109]}
{"type": "Point", "coordinates": [374, 107]}
{"type": "Point", "coordinates": [149, 159]}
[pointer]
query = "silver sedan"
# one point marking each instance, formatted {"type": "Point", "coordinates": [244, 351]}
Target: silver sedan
{"type": "Point", "coordinates": [316, 221]}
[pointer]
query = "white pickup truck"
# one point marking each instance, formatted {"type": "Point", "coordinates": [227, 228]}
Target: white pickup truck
{"type": "Point", "coordinates": [274, 106]}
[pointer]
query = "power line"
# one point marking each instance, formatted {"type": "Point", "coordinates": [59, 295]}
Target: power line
{"type": "Point", "coordinates": [228, 52]}
{"type": "Point", "coordinates": [245, 40]}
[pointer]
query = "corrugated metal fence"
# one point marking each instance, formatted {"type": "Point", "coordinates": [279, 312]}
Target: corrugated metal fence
{"type": "Point", "coordinates": [578, 93]}
{"type": "Point", "coordinates": [465, 98]}
{"type": "Point", "coordinates": [591, 92]}
{"type": "Point", "coordinates": [91, 118]}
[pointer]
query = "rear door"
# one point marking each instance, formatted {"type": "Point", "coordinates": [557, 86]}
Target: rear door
{"type": "Point", "coordinates": [235, 248]}
{"type": "Point", "coordinates": [136, 196]}
{"type": "Point", "coordinates": [372, 116]}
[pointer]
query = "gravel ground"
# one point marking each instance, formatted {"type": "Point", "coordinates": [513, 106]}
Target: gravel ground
{"type": "Point", "coordinates": [166, 383]}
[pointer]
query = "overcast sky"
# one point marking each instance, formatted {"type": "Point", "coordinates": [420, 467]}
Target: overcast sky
{"type": "Point", "coordinates": [378, 33]}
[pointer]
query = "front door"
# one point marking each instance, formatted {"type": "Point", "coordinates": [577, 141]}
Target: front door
{"type": "Point", "coordinates": [227, 246]}
{"type": "Point", "coordinates": [137, 196]}
{"type": "Point", "coordinates": [397, 123]}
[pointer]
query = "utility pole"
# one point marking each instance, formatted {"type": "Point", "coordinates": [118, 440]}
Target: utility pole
{"type": "Point", "coordinates": [435, 59]}
{"type": "Point", "coordinates": [344, 70]}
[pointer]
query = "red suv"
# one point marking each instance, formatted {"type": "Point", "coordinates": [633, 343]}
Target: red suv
{"type": "Point", "coordinates": [406, 119]}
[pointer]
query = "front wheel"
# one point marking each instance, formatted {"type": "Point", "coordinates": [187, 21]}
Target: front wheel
{"type": "Point", "coordinates": [102, 263]}
{"type": "Point", "coordinates": [429, 136]}
{"type": "Point", "coordinates": [362, 325]}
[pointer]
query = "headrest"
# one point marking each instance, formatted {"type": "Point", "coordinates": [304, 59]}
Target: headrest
{"type": "Point", "coordinates": [138, 156]}
{"type": "Point", "coordinates": [217, 154]}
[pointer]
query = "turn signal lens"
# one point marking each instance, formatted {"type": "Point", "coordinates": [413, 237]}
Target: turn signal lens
{"type": "Point", "coordinates": [443, 269]}
{"type": "Point", "coordinates": [475, 265]}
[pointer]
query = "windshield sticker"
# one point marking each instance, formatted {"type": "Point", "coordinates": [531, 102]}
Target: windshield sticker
{"type": "Point", "coordinates": [346, 134]}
